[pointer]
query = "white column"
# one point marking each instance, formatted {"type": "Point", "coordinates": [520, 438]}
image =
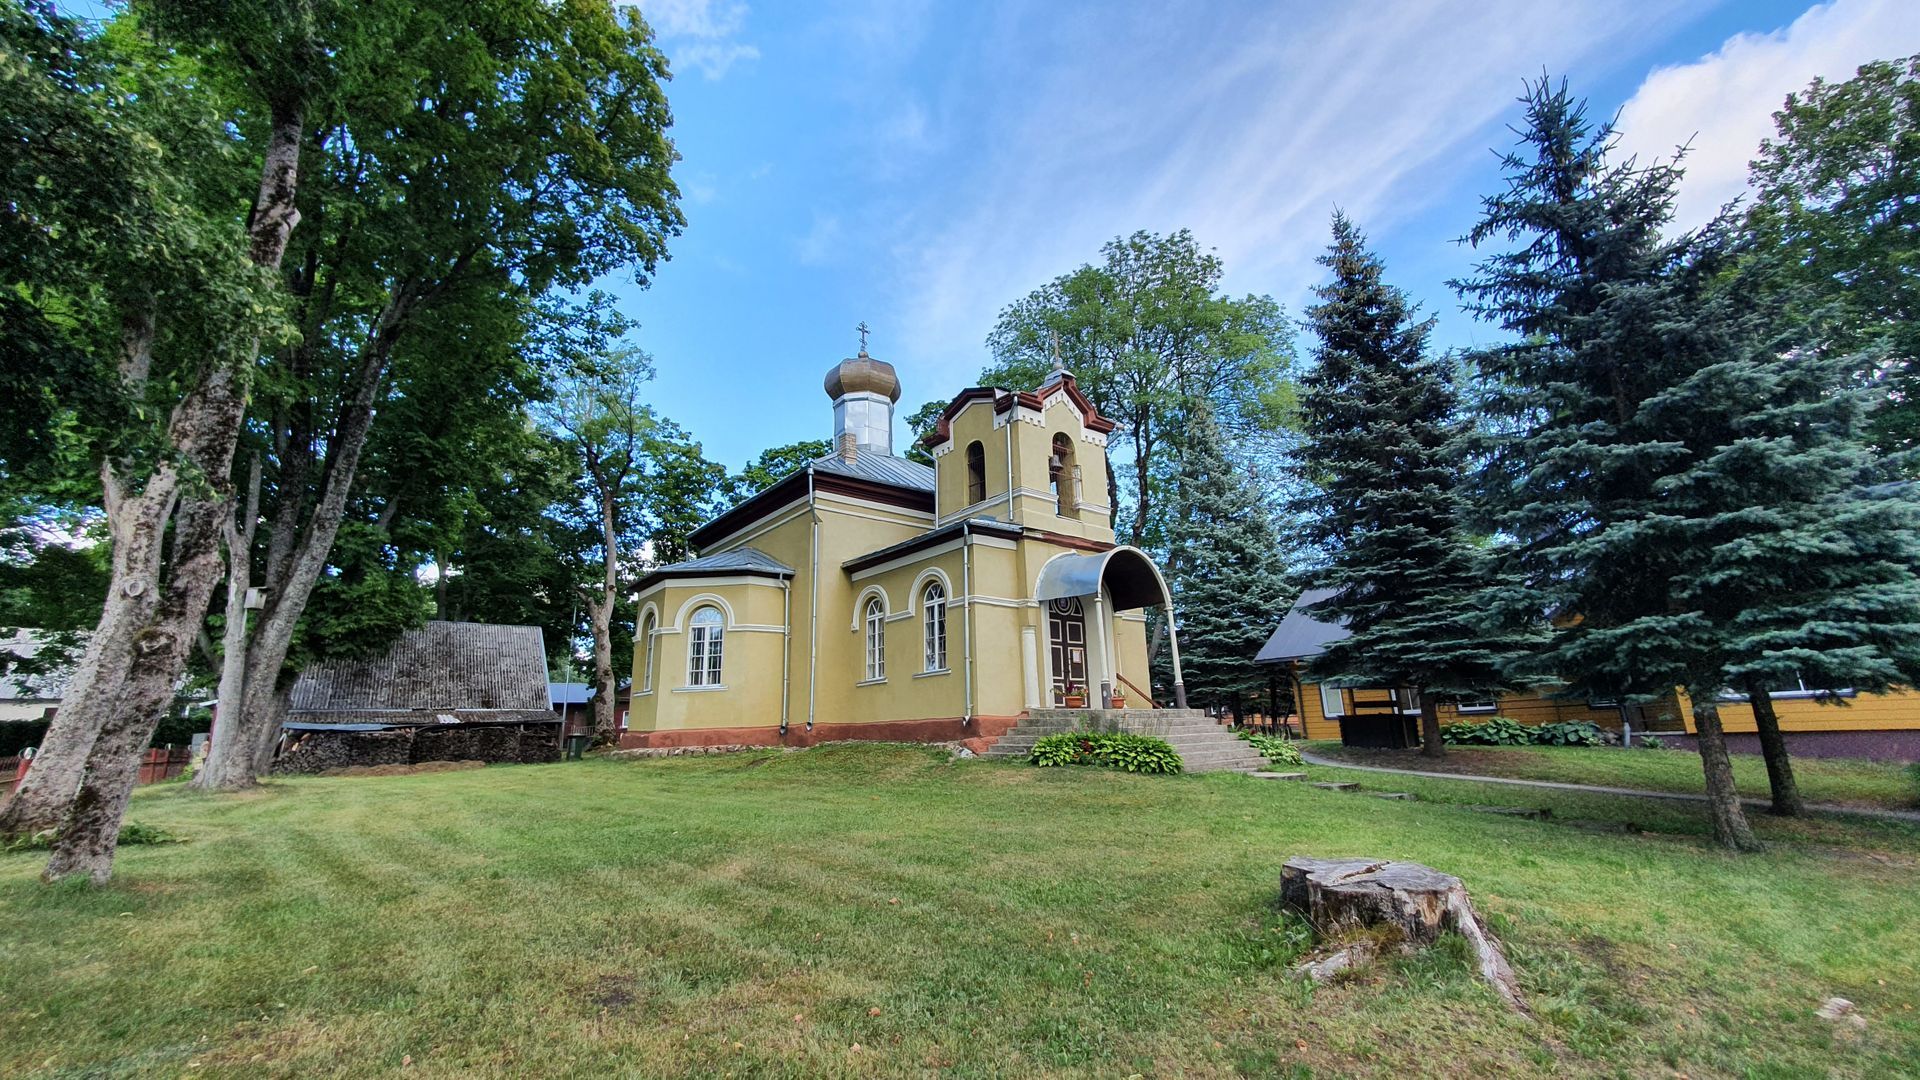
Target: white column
{"type": "Point", "coordinates": [1099, 669]}
{"type": "Point", "coordinates": [1030, 667]}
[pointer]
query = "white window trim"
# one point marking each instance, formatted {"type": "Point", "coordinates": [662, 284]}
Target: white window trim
{"type": "Point", "coordinates": [1473, 708]}
{"type": "Point", "coordinates": [930, 674]}
{"type": "Point", "coordinates": [694, 641]}
{"type": "Point", "coordinates": [881, 681]}
{"type": "Point", "coordinates": [704, 689]}
{"type": "Point", "coordinates": [874, 640]}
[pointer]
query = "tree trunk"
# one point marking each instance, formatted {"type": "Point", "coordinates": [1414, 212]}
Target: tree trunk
{"type": "Point", "coordinates": [138, 525]}
{"type": "Point", "coordinates": [226, 769]}
{"type": "Point", "coordinates": [1773, 747]}
{"type": "Point", "coordinates": [1430, 744]}
{"type": "Point", "coordinates": [605, 723]}
{"type": "Point", "coordinates": [90, 832]}
{"type": "Point", "coordinates": [1730, 826]}
{"type": "Point", "coordinates": [145, 629]}
{"type": "Point", "coordinates": [245, 741]}
{"type": "Point", "coordinates": [267, 733]}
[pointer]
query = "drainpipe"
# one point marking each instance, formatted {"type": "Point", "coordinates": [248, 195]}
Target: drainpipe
{"type": "Point", "coordinates": [966, 625]}
{"type": "Point", "coordinates": [813, 600]}
{"type": "Point", "coordinates": [786, 649]}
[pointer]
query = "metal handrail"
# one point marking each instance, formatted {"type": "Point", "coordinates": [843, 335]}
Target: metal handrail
{"type": "Point", "coordinates": [1144, 696]}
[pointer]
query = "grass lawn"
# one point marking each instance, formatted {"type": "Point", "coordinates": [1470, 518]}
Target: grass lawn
{"type": "Point", "coordinates": [1841, 781]}
{"type": "Point", "coordinates": [760, 914]}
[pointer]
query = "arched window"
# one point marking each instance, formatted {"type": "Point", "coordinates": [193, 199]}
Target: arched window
{"type": "Point", "coordinates": [876, 639]}
{"type": "Point", "coordinates": [933, 623]}
{"type": "Point", "coordinates": [1060, 476]}
{"type": "Point", "coordinates": [646, 643]}
{"type": "Point", "coordinates": [706, 641]}
{"type": "Point", "coordinates": [976, 473]}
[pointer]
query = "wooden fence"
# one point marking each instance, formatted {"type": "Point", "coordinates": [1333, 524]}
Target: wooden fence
{"type": "Point", "coordinates": [158, 764]}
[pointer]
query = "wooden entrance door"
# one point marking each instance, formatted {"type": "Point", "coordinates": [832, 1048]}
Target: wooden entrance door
{"type": "Point", "coordinates": [1067, 645]}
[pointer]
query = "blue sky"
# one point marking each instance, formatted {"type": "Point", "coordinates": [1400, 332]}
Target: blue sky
{"type": "Point", "coordinates": [918, 166]}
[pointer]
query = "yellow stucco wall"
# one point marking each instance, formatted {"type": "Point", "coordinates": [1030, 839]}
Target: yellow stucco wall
{"type": "Point", "coordinates": [1025, 442]}
{"type": "Point", "coordinates": [989, 581]}
{"type": "Point", "coordinates": [753, 609]}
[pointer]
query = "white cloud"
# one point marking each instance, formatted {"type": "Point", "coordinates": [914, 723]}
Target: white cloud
{"type": "Point", "coordinates": [698, 33]}
{"type": "Point", "coordinates": [1246, 126]}
{"type": "Point", "coordinates": [1723, 103]}
{"type": "Point", "coordinates": [821, 241]}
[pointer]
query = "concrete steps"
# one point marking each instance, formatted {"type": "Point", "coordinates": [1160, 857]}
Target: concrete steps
{"type": "Point", "coordinates": [1203, 745]}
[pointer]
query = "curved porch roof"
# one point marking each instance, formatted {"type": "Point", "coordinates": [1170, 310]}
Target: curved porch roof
{"type": "Point", "coordinates": [1129, 575]}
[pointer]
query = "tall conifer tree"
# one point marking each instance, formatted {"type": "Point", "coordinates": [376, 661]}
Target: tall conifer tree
{"type": "Point", "coordinates": [1228, 570]}
{"type": "Point", "coordinates": [1379, 455]}
{"type": "Point", "coordinates": [1667, 460]}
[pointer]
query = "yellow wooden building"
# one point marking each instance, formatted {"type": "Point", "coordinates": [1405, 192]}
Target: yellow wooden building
{"type": "Point", "coordinates": [870, 596]}
{"type": "Point", "coordinates": [1840, 723]}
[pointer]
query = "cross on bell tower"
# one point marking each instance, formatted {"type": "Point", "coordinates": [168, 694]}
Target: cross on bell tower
{"type": "Point", "coordinates": [862, 328]}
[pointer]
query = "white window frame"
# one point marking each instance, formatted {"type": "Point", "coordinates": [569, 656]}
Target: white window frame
{"type": "Point", "coordinates": [1469, 708]}
{"type": "Point", "coordinates": [649, 631]}
{"type": "Point", "coordinates": [933, 626]}
{"type": "Point", "coordinates": [876, 622]}
{"type": "Point", "coordinates": [706, 647]}
{"type": "Point", "coordinates": [1337, 696]}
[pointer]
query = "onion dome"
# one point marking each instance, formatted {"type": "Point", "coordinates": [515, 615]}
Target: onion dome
{"type": "Point", "coordinates": [863, 374]}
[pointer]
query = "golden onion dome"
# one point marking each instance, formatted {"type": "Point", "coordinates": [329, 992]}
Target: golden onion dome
{"type": "Point", "coordinates": [863, 374]}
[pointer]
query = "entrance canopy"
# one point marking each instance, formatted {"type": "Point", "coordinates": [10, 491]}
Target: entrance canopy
{"type": "Point", "coordinates": [1129, 576]}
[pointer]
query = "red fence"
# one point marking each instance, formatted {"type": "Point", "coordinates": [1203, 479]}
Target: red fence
{"type": "Point", "coordinates": [157, 765]}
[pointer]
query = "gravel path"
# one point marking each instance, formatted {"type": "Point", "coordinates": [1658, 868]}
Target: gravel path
{"type": "Point", "coordinates": [1908, 816]}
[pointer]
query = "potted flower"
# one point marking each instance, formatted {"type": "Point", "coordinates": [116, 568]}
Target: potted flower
{"type": "Point", "coordinates": [1074, 697]}
{"type": "Point", "coordinates": [1119, 698]}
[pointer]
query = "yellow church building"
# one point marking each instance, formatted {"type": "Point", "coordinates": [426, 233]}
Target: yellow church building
{"type": "Point", "coordinates": [870, 596]}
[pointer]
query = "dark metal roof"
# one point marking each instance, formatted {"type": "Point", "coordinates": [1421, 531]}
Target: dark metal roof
{"type": "Point", "coordinates": [878, 468]}
{"type": "Point", "coordinates": [441, 667]}
{"type": "Point", "coordinates": [740, 560]}
{"type": "Point", "coordinates": [1300, 635]}
{"type": "Point", "coordinates": [928, 539]}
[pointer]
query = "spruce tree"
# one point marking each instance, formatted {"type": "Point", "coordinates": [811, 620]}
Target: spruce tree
{"type": "Point", "coordinates": [1812, 545]}
{"type": "Point", "coordinates": [1227, 570]}
{"type": "Point", "coordinates": [1665, 458]}
{"type": "Point", "coordinates": [1379, 457]}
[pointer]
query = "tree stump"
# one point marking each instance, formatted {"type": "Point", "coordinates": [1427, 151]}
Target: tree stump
{"type": "Point", "coordinates": [1410, 902]}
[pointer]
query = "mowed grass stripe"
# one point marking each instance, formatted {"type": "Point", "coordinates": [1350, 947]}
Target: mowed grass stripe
{"type": "Point", "coordinates": [673, 917]}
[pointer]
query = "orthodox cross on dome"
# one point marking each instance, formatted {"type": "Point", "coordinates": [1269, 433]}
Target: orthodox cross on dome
{"type": "Point", "coordinates": [1059, 365]}
{"type": "Point", "coordinates": [863, 336]}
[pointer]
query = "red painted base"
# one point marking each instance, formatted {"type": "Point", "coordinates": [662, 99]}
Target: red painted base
{"type": "Point", "coordinates": [975, 736]}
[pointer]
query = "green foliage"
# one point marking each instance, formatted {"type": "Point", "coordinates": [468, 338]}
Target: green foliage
{"type": "Point", "coordinates": [1276, 750]}
{"type": "Point", "coordinates": [775, 465]}
{"type": "Point", "coordinates": [919, 425]}
{"type": "Point", "coordinates": [1836, 196]}
{"type": "Point", "coordinates": [1109, 749]}
{"type": "Point", "coordinates": [1504, 731]}
{"type": "Point", "coordinates": [1147, 333]}
{"type": "Point", "coordinates": [1650, 742]}
{"type": "Point", "coordinates": [131, 832]}
{"type": "Point", "coordinates": [1570, 733]}
{"type": "Point", "coordinates": [1380, 458]}
{"type": "Point", "coordinates": [1492, 731]}
{"type": "Point", "coordinates": [1225, 569]}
